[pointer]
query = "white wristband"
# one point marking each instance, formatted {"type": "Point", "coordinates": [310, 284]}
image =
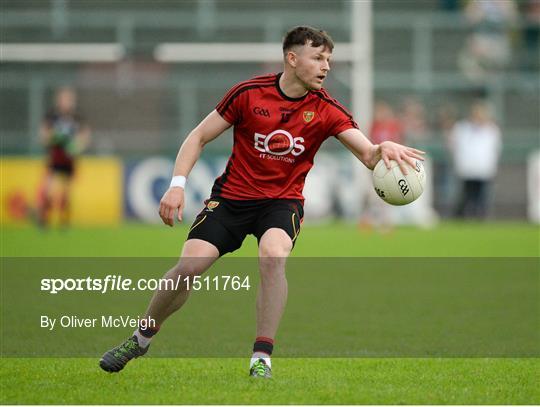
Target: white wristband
{"type": "Point", "coordinates": [178, 181]}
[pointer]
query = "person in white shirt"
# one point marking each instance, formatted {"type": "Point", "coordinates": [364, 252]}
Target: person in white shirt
{"type": "Point", "coordinates": [476, 146]}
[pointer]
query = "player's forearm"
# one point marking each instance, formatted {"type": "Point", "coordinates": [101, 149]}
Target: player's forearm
{"type": "Point", "coordinates": [188, 154]}
{"type": "Point", "coordinates": [372, 155]}
{"type": "Point", "coordinates": [363, 149]}
{"type": "Point", "coordinates": [369, 155]}
{"type": "Point", "coordinates": [210, 128]}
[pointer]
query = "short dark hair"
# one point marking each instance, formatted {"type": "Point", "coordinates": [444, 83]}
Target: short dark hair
{"type": "Point", "coordinates": [301, 35]}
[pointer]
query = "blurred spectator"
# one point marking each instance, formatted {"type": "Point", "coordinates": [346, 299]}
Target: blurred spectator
{"type": "Point", "coordinates": [64, 135]}
{"type": "Point", "coordinates": [531, 34]}
{"type": "Point", "coordinates": [476, 146]}
{"type": "Point", "coordinates": [445, 121]}
{"type": "Point", "coordinates": [385, 127]}
{"type": "Point", "coordinates": [487, 50]}
{"type": "Point", "coordinates": [446, 118]}
{"type": "Point", "coordinates": [413, 119]}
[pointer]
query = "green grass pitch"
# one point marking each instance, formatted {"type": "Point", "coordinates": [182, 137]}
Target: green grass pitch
{"type": "Point", "coordinates": [296, 380]}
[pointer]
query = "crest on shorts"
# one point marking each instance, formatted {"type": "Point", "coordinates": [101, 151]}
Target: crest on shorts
{"type": "Point", "coordinates": [308, 116]}
{"type": "Point", "coordinates": [212, 205]}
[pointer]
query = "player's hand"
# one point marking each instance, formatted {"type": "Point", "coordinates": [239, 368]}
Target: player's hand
{"type": "Point", "coordinates": [172, 200]}
{"type": "Point", "coordinates": [403, 155]}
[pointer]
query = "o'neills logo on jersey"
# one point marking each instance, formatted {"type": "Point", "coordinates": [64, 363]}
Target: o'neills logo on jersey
{"type": "Point", "coordinates": [279, 142]}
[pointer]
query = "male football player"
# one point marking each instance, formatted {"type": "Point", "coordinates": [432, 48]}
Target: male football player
{"type": "Point", "coordinates": [280, 121]}
{"type": "Point", "coordinates": [64, 135]}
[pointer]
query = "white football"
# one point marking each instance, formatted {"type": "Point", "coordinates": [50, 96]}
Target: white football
{"type": "Point", "coordinates": [395, 188]}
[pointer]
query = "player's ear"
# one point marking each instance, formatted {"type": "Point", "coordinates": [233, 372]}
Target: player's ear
{"type": "Point", "coordinates": [291, 58]}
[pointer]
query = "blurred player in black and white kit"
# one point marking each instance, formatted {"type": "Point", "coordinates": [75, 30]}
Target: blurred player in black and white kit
{"type": "Point", "coordinates": [64, 135]}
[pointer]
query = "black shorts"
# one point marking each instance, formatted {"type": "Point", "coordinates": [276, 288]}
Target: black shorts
{"type": "Point", "coordinates": [63, 169]}
{"type": "Point", "coordinates": [226, 222]}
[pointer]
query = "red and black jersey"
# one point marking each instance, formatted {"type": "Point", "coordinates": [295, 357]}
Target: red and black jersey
{"type": "Point", "coordinates": [275, 138]}
{"type": "Point", "coordinates": [64, 128]}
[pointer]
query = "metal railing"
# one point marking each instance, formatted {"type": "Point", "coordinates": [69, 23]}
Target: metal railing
{"type": "Point", "coordinates": [140, 32]}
